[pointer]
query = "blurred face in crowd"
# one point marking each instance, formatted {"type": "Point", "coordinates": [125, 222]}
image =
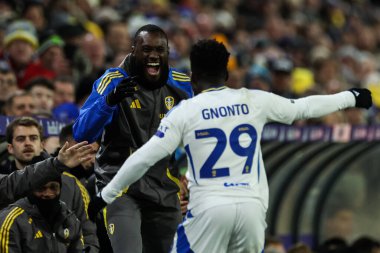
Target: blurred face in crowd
{"type": "Point", "coordinates": [64, 92]}
{"type": "Point", "coordinates": [117, 38]}
{"type": "Point", "coordinates": [8, 84]}
{"type": "Point", "coordinates": [35, 13]}
{"type": "Point", "coordinates": [151, 59]}
{"type": "Point", "coordinates": [26, 144]}
{"type": "Point", "coordinates": [43, 97]}
{"type": "Point", "coordinates": [20, 52]}
{"type": "Point", "coordinates": [54, 58]}
{"type": "Point", "coordinates": [21, 106]}
{"type": "Point", "coordinates": [95, 49]}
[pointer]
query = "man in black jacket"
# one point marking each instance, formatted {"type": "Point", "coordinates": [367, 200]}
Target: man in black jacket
{"type": "Point", "coordinates": [125, 108]}
{"type": "Point", "coordinates": [24, 137]}
{"type": "Point", "coordinates": [20, 182]}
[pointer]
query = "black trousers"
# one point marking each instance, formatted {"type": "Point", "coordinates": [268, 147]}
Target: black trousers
{"type": "Point", "coordinates": [136, 226]}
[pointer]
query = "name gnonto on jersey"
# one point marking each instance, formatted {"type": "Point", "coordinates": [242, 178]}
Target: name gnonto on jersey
{"type": "Point", "coordinates": [225, 111]}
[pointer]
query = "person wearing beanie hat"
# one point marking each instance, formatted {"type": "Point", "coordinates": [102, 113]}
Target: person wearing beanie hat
{"type": "Point", "coordinates": [52, 55]}
{"type": "Point", "coordinates": [21, 30]}
{"type": "Point", "coordinates": [20, 45]}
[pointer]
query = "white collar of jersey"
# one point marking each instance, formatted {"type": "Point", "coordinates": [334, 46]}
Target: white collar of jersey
{"type": "Point", "coordinates": [214, 89]}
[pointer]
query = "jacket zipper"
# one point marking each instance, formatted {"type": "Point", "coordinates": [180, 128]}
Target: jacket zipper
{"type": "Point", "coordinates": [55, 243]}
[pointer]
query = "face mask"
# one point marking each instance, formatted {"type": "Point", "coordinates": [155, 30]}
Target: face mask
{"type": "Point", "coordinates": [49, 208]}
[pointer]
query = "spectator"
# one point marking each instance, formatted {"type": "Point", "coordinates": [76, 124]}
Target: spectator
{"type": "Point", "coordinates": [20, 103]}
{"type": "Point", "coordinates": [21, 42]}
{"type": "Point", "coordinates": [64, 90]}
{"type": "Point", "coordinates": [25, 143]}
{"type": "Point", "coordinates": [8, 84]}
{"type": "Point", "coordinates": [19, 183]}
{"type": "Point", "coordinates": [40, 222]}
{"type": "Point", "coordinates": [42, 91]}
{"type": "Point", "coordinates": [53, 57]}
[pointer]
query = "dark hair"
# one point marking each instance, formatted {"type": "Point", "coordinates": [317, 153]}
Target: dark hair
{"type": "Point", "coordinates": [66, 134]}
{"type": "Point", "coordinates": [150, 28]}
{"type": "Point", "coordinates": [65, 79]}
{"type": "Point", "coordinates": [209, 59]}
{"type": "Point", "coordinates": [22, 121]}
{"type": "Point", "coordinates": [40, 81]}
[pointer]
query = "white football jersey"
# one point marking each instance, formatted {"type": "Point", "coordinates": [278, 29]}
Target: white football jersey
{"type": "Point", "coordinates": [220, 130]}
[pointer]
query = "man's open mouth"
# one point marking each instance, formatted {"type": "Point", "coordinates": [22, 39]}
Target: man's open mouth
{"type": "Point", "coordinates": [153, 68]}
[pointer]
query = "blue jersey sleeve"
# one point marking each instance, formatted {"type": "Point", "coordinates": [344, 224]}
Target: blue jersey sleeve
{"type": "Point", "coordinates": [95, 114]}
{"type": "Point", "coordinates": [181, 81]}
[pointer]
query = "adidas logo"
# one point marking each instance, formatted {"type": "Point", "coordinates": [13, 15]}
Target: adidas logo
{"type": "Point", "coordinates": [38, 235]}
{"type": "Point", "coordinates": [136, 104]}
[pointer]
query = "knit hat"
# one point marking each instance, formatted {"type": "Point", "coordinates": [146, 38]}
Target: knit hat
{"type": "Point", "coordinates": [21, 30]}
{"type": "Point", "coordinates": [53, 40]}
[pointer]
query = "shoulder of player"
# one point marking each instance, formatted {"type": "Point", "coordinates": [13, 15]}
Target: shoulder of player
{"type": "Point", "coordinates": [178, 78]}
{"type": "Point", "coordinates": [110, 79]}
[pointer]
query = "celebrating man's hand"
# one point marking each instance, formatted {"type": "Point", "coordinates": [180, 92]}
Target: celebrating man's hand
{"type": "Point", "coordinates": [95, 206]}
{"type": "Point", "coordinates": [75, 155]}
{"type": "Point", "coordinates": [363, 97]}
{"type": "Point", "coordinates": [125, 88]}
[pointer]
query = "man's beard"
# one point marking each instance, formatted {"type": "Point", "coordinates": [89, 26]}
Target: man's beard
{"type": "Point", "coordinates": [139, 71]}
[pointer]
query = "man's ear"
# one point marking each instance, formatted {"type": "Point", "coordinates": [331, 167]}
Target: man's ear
{"type": "Point", "coordinates": [10, 149]}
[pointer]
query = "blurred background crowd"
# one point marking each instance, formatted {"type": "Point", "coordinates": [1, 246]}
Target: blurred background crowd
{"type": "Point", "coordinates": [51, 51]}
{"type": "Point", "coordinates": [290, 47]}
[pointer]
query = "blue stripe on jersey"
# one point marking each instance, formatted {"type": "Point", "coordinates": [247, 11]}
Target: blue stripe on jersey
{"type": "Point", "coordinates": [183, 245]}
{"type": "Point", "coordinates": [187, 149]}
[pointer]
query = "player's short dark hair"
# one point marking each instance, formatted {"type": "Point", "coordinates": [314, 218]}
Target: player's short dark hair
{"type": "Point", "coordinates": [40, 81]}
{"type": "Point", "coordinates": [150, 28]}
{"type": "Point", "coordinates": [22, 121]}
{"type": "Point", "coordinates": [209, 58]}
{"type": "Point", "coordinates": [66, 134]}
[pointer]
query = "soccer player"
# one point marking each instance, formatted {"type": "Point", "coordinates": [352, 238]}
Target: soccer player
{"type": "Point", "coordinates": [124, 110]}
{"type": "Point", "coordinates": [221, 132]}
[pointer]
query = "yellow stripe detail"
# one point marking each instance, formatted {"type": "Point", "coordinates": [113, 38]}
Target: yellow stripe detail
{"type": "Point", "coordinates": [107, 80]}
{"type": "Point", "coordinates": [180, 76]}
{"type": "Point", "coordinates": [105, 218]}
{"type": "Point", "coordinates": [133, 105]}
{"type": "Point", "coordinates": [178, 73]}
{"type": "Point", "coordinates": [181, 79]}
{"type": "Point", "coordinates": [175, 180]}
{"type": "Point", "coordinates": [83, 190]}
{"type": "Point", "coordinates": [6, 226]}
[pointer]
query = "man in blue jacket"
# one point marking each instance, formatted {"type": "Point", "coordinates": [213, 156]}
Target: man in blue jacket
{"type": "Point", "coordinates": [124, 109]}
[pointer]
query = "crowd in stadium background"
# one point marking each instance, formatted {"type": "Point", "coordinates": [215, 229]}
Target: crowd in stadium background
{"type": "Point", "coordinates": [290, 47]}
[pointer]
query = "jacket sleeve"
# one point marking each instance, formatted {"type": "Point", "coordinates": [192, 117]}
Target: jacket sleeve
{"type": "Point", "coordinates": [20, 182]}
{"type": "Point", "coordinates": [76, 246]}
{"type": "Point", "coordinates": [80, 206]}
{"type": "Point", "coordinates": [9, 230]}
{"type": "Point", "coordinates": [95, 114]}
{"type": "Point", "coordinates": [181, 81]}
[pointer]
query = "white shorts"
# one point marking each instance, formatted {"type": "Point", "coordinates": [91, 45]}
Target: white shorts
{"type": "Point", "coordinates": [233, 228]}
